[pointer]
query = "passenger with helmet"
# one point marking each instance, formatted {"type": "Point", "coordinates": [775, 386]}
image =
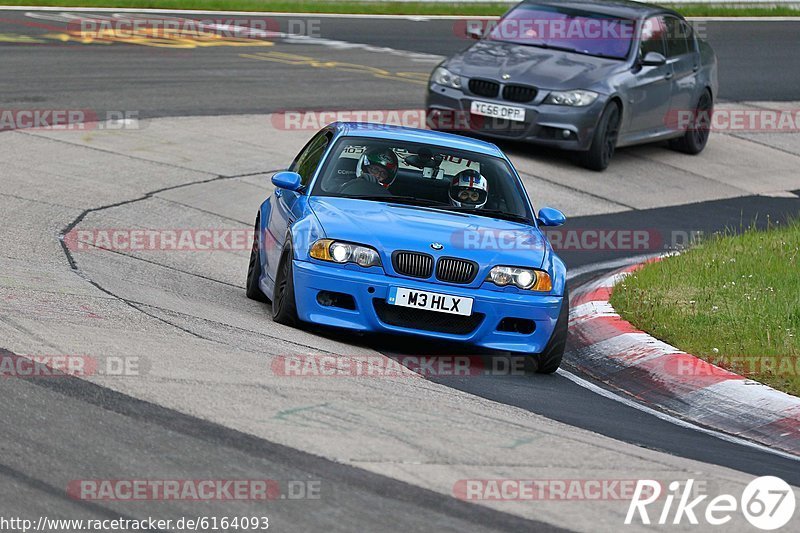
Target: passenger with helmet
{"type": "Point", "coordinates": [469, 189]}
{"type": "Point", "coordinates": [378, 165]}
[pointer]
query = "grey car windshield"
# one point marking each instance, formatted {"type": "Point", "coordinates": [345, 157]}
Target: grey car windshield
{"type": "Point", "coordinates": [424, 175]}
{"type": "Point", "coordinates": [565, 28]}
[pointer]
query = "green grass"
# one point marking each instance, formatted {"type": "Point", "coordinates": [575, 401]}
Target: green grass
{"type": "Point", "coordinates": [701, 10]}
{"type": "Point", "coordinates": [301, 6]}
{"type": "Point", "coordinates": [384, 8]}
{"type": "Point", "coordinates": [733, 300]}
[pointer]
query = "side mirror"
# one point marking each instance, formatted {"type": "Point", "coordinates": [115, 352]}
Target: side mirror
{"type": "Point", "coordinates": [653, 59]}
{"type": "Point", "coordinates": [291, 181]}
{"type": "Point", "coordinates": [474, 31]}
{"type": "Point", "coordinates": [551, 217]}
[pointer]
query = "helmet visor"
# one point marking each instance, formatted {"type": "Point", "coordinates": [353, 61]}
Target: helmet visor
{"type": "Point", "coordinates": [379, 172]}
{"type": "Point", "coordinates": [470, 196]}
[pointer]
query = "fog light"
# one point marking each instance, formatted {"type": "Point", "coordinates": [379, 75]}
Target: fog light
{"type": "Point", "coordinates": [566, 134]}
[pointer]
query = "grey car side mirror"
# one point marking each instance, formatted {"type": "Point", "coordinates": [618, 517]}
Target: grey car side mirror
{"type": "Point", "coordinates": [653, 59]}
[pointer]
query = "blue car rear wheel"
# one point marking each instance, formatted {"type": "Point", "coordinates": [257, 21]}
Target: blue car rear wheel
{"type": "Point", "coordinates": [252, 290]}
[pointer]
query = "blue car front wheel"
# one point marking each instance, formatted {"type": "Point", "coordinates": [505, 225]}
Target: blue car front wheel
{"type": "Point", "coordinates": [549, 360]}
{"type": "Point", "coordinates": [284, 305]}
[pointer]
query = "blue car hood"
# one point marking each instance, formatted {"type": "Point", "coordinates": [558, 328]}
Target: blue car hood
{"type": "Point", "coordinates": [389, 227]}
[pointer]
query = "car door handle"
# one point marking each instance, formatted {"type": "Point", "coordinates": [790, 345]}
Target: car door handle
{"type": "Point", "coordinates": [695, 68]}
{"type": "Point", "coordinates": [668, 76]}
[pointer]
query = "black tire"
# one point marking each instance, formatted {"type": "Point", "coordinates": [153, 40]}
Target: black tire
{"type": "Point", "coordinates": [604, 142]}
{"type": "Point", "coordinates": [696, 137]}
{"type": "Point", "coordinates": [284, 306]}
{"type": "Point", "coordinates": [252, 289]}
{"type": "Point", "coordinates": [549, 360]}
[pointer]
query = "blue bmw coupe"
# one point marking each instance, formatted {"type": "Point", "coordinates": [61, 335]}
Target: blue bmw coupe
{"type": "Point", "coordinates": [395, 230]}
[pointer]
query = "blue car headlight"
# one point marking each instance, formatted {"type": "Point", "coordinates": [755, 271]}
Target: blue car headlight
{"type": "Point", "coordinates": [577, 98]}
{"type": "Point", "coordinates": [344, 252]}
{"type": "Point", "coordinates": [528, 279]}
{"type": "Point", "coordinates": [442, 76]}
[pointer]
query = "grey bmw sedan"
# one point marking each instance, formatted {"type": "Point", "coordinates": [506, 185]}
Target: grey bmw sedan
{"type": "Point", "coordinates": [582, 75]}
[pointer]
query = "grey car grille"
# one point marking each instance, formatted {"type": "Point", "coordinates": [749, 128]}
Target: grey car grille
{"type": "Point", "coordinates": [512, 93]}
{"type": "Point", "coordinates": [519, 93]}
{"type": "Point", "coordinates": [486, 88]}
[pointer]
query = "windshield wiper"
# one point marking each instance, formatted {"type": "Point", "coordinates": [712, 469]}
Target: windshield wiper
{"type": "Point", "coordinates": [497, 213]}
{"type": "Point", "coordinates": [410, 200]}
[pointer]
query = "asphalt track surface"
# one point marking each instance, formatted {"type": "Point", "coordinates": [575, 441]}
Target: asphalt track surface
{"type": "Point", "coordinates": [759, 61]}
{"type": "Point", "coordinates": [64, 429]}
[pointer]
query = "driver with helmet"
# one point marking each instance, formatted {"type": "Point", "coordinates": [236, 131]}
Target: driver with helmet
{"type": "Point", "coordinates": [469, 189]}
{"type": "Point", "coordinates": [378, 165]}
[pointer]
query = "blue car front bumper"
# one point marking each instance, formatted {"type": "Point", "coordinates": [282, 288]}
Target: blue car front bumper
{"type": "Point", "coordinates": [369, 290]}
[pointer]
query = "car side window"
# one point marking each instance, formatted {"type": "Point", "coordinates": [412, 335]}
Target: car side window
{"type": "Point", "coordinates": [688, 31]}
{"type": "Point", "coordinates": [653, 31]}
{"type": "Point", "coordinates": [677, 38]}
{"type": "Point", "coordinates": [308, 160]}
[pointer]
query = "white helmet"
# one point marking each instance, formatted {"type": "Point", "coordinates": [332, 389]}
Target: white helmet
{"type": "Point", "coordinates": [378, 166]}
{"type": "Point", "coordinates": [469, 189]}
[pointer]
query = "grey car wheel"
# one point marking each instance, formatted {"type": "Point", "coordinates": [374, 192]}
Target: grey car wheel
{"type": "Point", "coordinates": [604, 142]}
{"type": "Point", "coordinates": [696, 137]}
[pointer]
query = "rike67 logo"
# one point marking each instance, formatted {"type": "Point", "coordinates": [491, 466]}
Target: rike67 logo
{"type": "Point", "coordinates": [767, 502]}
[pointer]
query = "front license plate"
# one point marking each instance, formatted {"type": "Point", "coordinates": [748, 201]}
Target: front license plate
{"type": "Point", "coordinates": [443, 303]}
{"type": "Point", "coordinates": [488, 109]}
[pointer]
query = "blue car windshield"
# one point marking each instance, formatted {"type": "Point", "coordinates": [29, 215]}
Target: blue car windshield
{"type": "Point", "coordinates": [425, 175]}
{"type": "Point", "coordinates": [565, 28]}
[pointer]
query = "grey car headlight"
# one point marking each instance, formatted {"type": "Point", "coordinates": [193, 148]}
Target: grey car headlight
{"type": "Point", "coordinates": [576, 98]}
{"type": "Point", "coordinates": [442, 76]}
